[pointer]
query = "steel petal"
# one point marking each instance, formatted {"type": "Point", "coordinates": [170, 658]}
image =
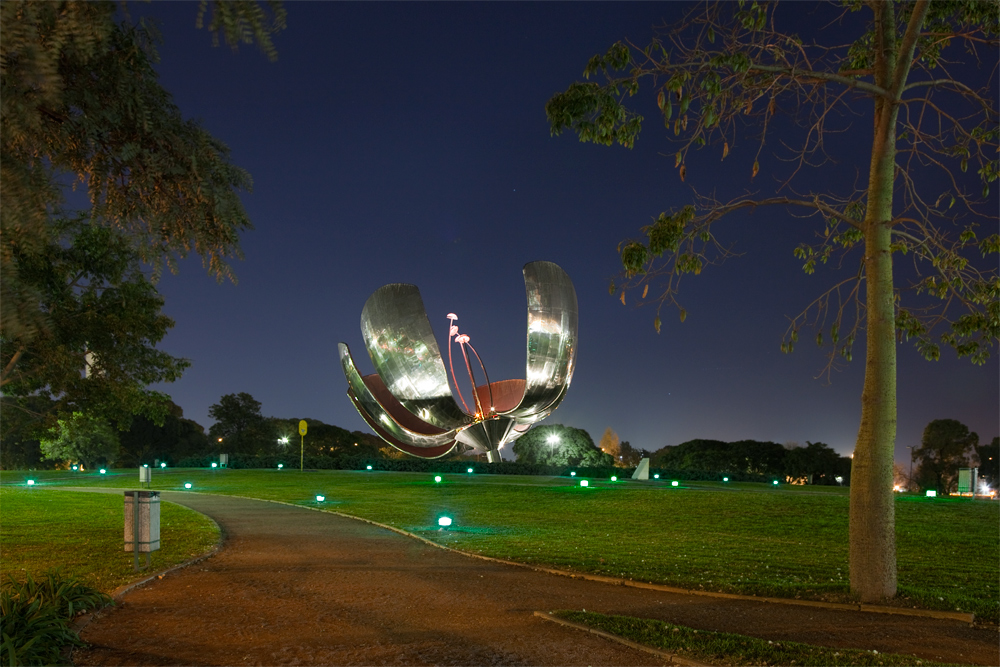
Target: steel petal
{"type": "Point", "coordinates": [552, 340]}
{"type": "Point", "coordinates": [381, 411]}
{"type": "Point", "coordinates": [402, 347]}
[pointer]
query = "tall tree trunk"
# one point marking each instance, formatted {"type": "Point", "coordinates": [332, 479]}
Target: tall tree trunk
{"type": "Point", "coordinates": [872, 549]}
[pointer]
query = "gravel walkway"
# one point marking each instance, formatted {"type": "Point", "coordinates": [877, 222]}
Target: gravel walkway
{"type": "Point", "coordinates": [298, 587]}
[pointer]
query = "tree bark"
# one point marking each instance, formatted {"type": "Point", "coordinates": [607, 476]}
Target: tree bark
{"type": "Point", "coordinates": [872, 550]}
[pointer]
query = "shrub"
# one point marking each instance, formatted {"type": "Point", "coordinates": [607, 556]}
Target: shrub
{"type": "Point", "coordinates": [35, 617]}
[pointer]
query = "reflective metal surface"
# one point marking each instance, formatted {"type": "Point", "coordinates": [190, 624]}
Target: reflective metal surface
{"type": "Point", "coordinates": [386, 413]}
{"type": "Point", "coordinates": [408, 401]}
{"type": "Point", "coordinates": [402, 347]}
{"type": "Point", "coordinates": [552, 339]}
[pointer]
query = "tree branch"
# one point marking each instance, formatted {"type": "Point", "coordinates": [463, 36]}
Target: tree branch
{"type": "Point", "coordinates": [904, 60]}
{"type": "Point", "coordinates": [720, 211]}
{"type": "Point", "coordinates": [826, 76]}
{"type": "Point", "coordinates": [9, 368]}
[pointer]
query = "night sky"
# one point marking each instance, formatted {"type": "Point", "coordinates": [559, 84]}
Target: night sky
{"type": "Point", "coordinates": [408, 143]}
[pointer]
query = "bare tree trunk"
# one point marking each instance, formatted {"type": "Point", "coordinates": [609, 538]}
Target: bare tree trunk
{"type": "Point", "coordinates": [872, 550]}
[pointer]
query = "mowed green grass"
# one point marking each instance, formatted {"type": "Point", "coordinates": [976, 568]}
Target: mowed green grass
{"type": "Point", "coordinates": [81, 534]}
{"type": "Point", "coordinates": [745, 538]}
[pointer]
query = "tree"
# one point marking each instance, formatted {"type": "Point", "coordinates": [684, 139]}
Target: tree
{"type": "Point", "coordinates": [629, 456]}
{"type": "Point", "coordinates": [239, 427]}
{"type": "Point", "coordinates": [728, 67]}
{"type": "Point", "coordinates": [555, 444]}
{"type": "Point", "coordinates": [97, 352]}
{"type": "Point", "coordinates": [989, 461]}
{"type": "Point", "coordinates": [173, 440]}
{"type": "Point", "coordinates": [816, 461]}
{"type": "Point", "coordinates": [610, 443]}
{"type": "Point", "coordinates": [81, 105]}
{"type": "Point", "coordinates": [324, 439]}
{"type": "Point", "coordinates": [82, 438]}
{"type": "Point", "coordinates": [944, 448]}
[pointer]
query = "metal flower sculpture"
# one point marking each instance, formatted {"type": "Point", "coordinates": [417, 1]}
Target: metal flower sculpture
{"type": "Point", "coordinates": [408, 401]}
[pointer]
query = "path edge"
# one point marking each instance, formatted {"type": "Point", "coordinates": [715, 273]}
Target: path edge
{"type": "Point", "coordinates": [671, 658]}
{"type": "Point", "coordinates": [80, 623]}
{"type": "Point", "coordinates": [856, 606]}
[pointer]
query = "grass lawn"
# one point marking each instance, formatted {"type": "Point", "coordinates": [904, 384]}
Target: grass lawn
{"type": "Point", "coordinates": [82, 535]}
{"type": "Point", "coordinates": [745, 538]}
{"type": "Point", "coordinates": [724, 648]}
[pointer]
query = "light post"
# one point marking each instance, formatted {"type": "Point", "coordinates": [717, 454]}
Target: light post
{"type": "Point", "coordinates": [909, 480]}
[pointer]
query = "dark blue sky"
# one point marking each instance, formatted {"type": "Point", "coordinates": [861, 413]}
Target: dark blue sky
{"type": "Point", "coordinates": [408, 143]}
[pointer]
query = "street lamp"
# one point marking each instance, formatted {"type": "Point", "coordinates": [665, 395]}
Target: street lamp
{"type": "Point", "coordinates": [553, 439]}
{"type": "Point", "coordinates": [909, 480]}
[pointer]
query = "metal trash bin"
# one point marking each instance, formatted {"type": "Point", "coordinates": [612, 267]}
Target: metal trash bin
{"type": "Point", "coordinates": [142, 519]}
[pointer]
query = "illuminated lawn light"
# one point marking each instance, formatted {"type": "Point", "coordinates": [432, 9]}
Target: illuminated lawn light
{"type": "Point", "coordinates": [572, 474]}
{"type": "Point", "coordinates": [673, 483]}
{"type": "Point", "coordinates": [215, 465]}
{"type": "Point", "coordinates": [775, 482]}
{"type": "Point", "coordinates": [280, 466]}
{"type": "Point", "coordinates": [31, 482]}
{"type": "Point", "coordinates": [469, 470]}
{"type": "Point", "coordinates": [104, 471]}
{"type": "Point", "coordinates": [656, 476]}
{"type": "Point", "coordinates": [145, 465]}
{"type": "Point", "coordinates": [437, 478]}
{"type": "Point", "coordinates": [369, 468]}
{"type": "Point", "coordinates": [725, 479]}
{"type": "Point", "coordinates": [932, 494]}
{"type": "Point", "coordinates": [320, 499]}
{"type": "Point", "coordinates": [187, 485]}
{"type": "Point", "coordinates": [163, 465]}
{"type": "Point", "coordinates": [76, 467]}
{"type": "Point", "coordinates": [444, 521]}
{"type": "Point", "coordinates": [584, 482]}
{"type": "Point", "coordinates": [614, 479]}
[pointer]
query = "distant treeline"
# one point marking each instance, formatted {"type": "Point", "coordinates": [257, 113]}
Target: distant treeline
{"type": "Point", "coordinates": [461, 465]}
{"type": "Point", "coordinates": [252, 440]}
{"type": "Point", "coordinates": [814, 463]}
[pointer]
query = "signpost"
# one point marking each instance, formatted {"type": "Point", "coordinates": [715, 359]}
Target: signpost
{"type": "Point", "coordinates": [302, 441]}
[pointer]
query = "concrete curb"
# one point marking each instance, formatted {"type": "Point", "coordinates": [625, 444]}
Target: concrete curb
{"type": "Point", "coordinates": [671, 658]}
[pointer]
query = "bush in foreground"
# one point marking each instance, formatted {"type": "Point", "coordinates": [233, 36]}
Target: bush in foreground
{"type": "Point", "coordinates": [35, 617]}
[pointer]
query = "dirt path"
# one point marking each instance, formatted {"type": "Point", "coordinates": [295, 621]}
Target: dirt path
{"type": "Point", "coordinates": [298, 587]}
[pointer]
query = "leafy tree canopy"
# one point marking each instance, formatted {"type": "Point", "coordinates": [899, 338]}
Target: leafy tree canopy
{"type": "Point", "coordinates": [83, 438]}
{"type": "Point", "coordinates": [555, 444]}
{"type": "Point", "coordinates": [81, 106]}
{"type": "Point", "coordinates": [97, 352]}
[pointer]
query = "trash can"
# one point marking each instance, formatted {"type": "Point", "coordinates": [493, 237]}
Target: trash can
{"type": "Point", "coordinates": [145, 475]}
{"type": "Point", "coordinates": [142, 517]}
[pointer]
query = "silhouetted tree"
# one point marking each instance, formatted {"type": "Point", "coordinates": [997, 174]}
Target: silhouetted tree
{"type": "Point", "coordinates": [816, 461]}
{"type": "Point", "coordinates": [241, 426]}
{"type": "Point", "coordinates": [944, 448]}
{"type": "Point", "coordinates": [989, 461]}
